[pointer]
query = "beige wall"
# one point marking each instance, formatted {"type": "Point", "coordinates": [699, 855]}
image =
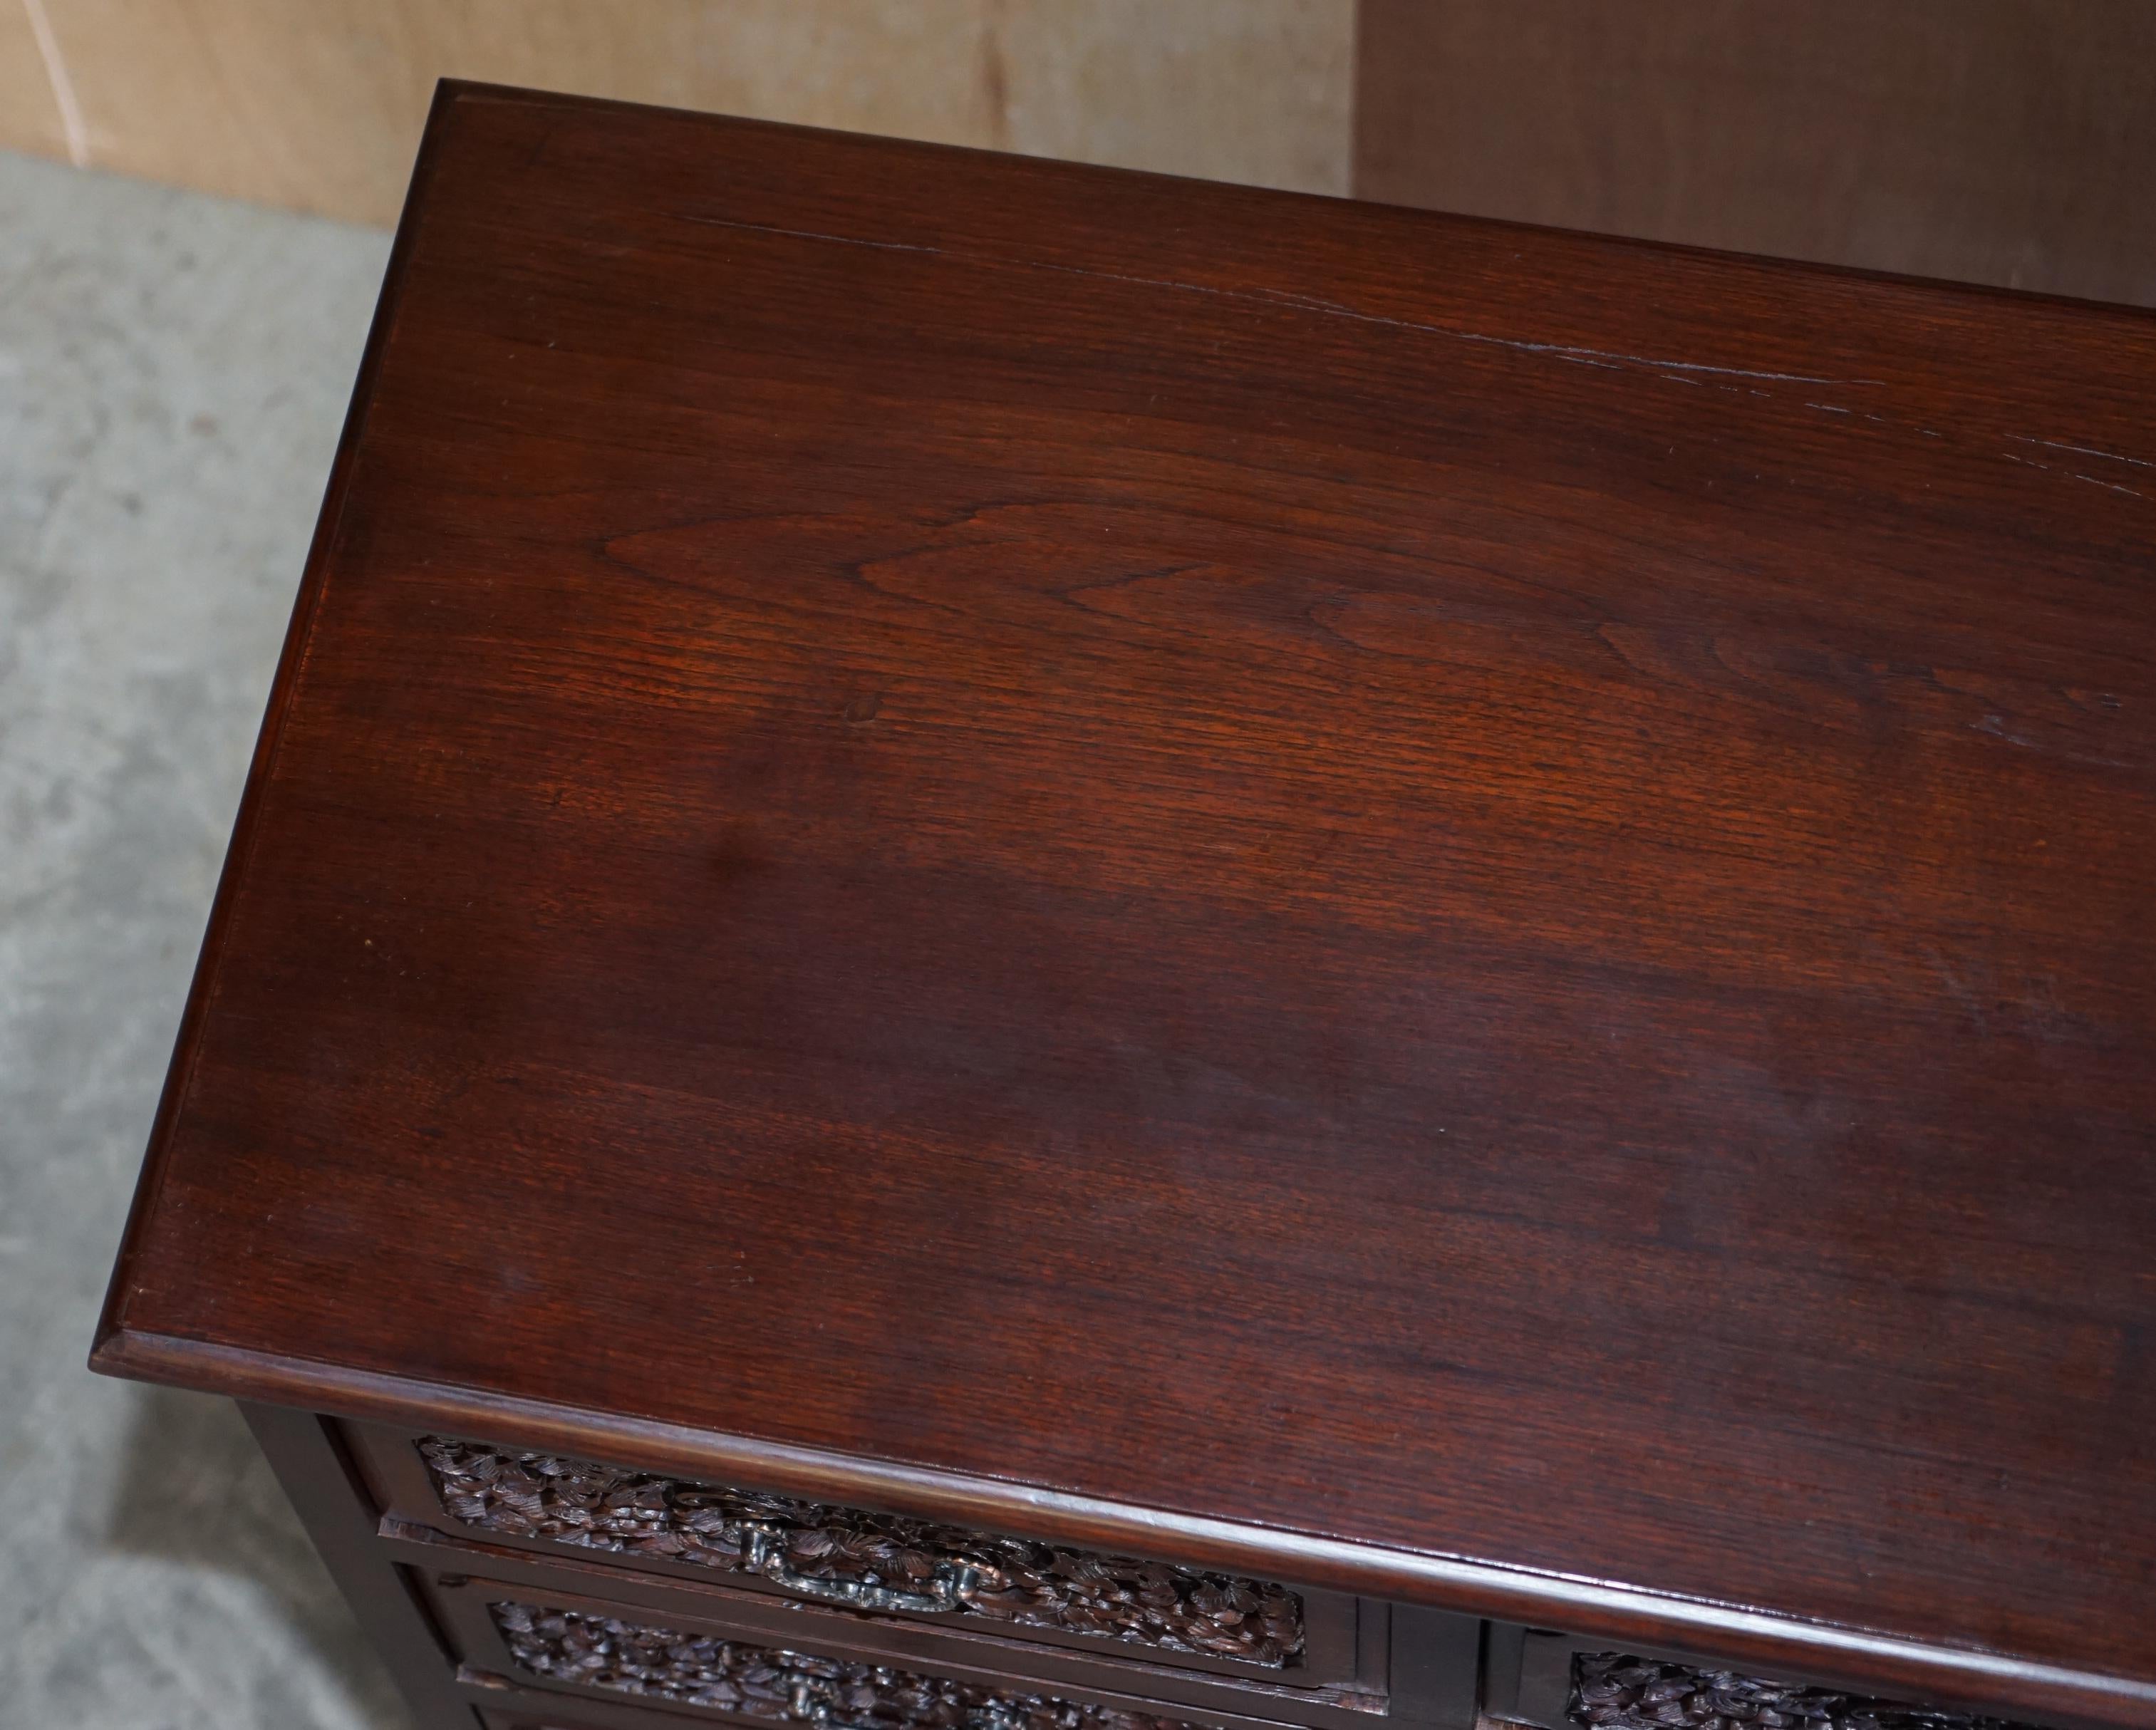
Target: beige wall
{"type": "Point", "coordinates": [316, 105]}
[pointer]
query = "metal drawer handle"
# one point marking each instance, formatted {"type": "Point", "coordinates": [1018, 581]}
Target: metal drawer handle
{"type": "Point", "coordinates": [763, 1551]}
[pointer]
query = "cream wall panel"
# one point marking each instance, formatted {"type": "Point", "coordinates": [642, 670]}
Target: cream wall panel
{"type": "Point", "coordinates": [316, 103]}
{"type": "Point", "coordinates": [29, 117]}
{"type": "Point", "coordinates": [1260, 91]}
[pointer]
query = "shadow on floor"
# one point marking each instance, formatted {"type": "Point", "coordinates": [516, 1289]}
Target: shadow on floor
{"type": "Point", "coordinates": [195, 1490]}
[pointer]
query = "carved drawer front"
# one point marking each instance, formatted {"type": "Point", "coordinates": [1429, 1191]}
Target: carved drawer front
{"type": "Point", "coordinates": [1618, 1691]}
{"type": "Point", "coordinates": [582, 1649]}
{"type": "Point", "coordinates": [885, 1562]}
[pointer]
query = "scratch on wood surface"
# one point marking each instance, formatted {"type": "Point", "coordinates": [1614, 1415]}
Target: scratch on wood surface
{"type": "Point", "coordinates": [2083, 450]}
{"type": "Point", "coordinates": [2093, 481]}
{"type": "Point", "coordinates": [720, 222]}
{"type": "Point", "coordinates": [2114, 485]}
{"type": "Point", "coordinates": [1609, 360]}
{"type": "Point", "coordinates": [1995, 725]}
{"type": "Point", "coordinates": [1270, 297]}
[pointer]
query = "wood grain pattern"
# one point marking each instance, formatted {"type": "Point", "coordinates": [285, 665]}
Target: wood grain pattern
{"type": "Point", "coordinates": [1466, 907]}
{"type": "Point", "coordinates": [2002, 142]}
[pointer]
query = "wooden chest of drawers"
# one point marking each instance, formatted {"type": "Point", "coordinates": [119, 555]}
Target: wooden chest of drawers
{"type": "Point", "coordinates": [1019, 948]}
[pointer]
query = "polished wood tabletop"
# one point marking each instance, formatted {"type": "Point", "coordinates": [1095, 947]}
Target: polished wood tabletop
{"type": "Point", "coordinates": [1471, 909]}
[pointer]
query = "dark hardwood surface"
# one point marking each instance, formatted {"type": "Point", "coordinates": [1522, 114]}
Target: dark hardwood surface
{"type": "Point", "coordinates": [2003, 141]}
{"type": "Point", "coordinates": [1417, 905]}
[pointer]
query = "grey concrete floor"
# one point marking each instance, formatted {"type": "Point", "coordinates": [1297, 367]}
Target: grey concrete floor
{"type": "Point", "coordinates": [173, 370]}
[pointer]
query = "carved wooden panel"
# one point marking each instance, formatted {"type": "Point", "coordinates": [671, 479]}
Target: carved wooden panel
{"type": "Point", "coordinates": [765, 1682]}
{"type": "Point", "coordinates": [1613, 1692]}
{"type": "Point", "coordinates": [869, 1561]}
